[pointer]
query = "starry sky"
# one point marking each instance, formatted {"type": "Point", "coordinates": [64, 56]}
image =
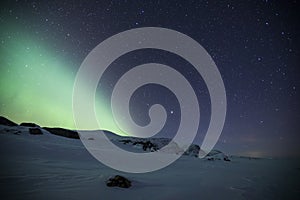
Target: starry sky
{"type": "Point", "coordinates": [255, 45]}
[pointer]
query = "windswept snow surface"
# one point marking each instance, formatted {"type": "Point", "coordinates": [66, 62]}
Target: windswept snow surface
{"type": "Point", "coordinates": [53, 167]}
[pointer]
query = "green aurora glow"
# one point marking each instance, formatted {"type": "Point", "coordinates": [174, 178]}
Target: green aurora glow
{"type": "Point", "coordinates": [36, 84]}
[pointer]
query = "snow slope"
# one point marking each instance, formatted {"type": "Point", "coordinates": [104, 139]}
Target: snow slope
{"type": "Point", "coordinates": [53, 167]}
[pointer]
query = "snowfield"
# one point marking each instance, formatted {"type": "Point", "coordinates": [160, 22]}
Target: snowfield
{"type": "Point", "coordinates": [48, 166]}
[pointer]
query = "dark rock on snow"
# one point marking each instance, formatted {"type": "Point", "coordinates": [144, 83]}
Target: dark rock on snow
{"type": "Point", "coordinates": [7, 122]}
{"type": "Point", "coordinates": [226, 158]}
{"type": "Point", "coordinates": [146, 145]}
{"type": "Point", "coordinates": [193, 150]}
{"type": "Point", "coordinates": [63, 132]}
{"type": "Point", "coordinates": [35, 131]}
{"type": "Point", "coordinates": [28, 124]}
{"type": "Point", "coordinates": [17, 132]}
{"type": "Point", "coordinates": [118, 181]}
{"type": "Point", "coordinates": [126, 141]}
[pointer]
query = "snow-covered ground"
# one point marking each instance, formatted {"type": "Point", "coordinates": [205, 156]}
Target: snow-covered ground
{"type": "Point", "coordinates": [53, 167]}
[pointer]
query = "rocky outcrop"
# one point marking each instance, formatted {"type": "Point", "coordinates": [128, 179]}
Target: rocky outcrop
{"type": "Point", "coordinates": [7, 122]}
{"type": "Point", "coordinates": [153, 144]}
{"type": "Point", "coordinates": [35, 131]}
{"type": "Point", "coordinates": [217, 155]}
{"type": "Point", "coordinates": [146, 145]}
{"type": "Point", "coordinates": [226, 159]}
{"type": "Point", "coordinates": [118, 181]}
{"type": "Point", "coordinates": [193, 150]}
{"type": "Point", "coordinates": [28, 124]}
{"type": "Point", "coordinates": [63, 132]}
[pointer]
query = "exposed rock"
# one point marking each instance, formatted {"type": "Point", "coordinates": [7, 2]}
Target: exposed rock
{"type": "Point", "coordinates": [214, 152]}
{"type": "Point", "coordinates": [165, 145]}
{"type": "Point", "coordinates": [63, 132]}
{"type": "Point", "coordinates": [193, 150]}
{"type": "Point", "coordinates": [35, 131]}
{"type": "Point", "coordinates": [217, 155]}
{"type": "Point", "coordinates": [118, 181]}
{"type": "Point", "coordinates": [226, 158]}
{"type": "Point", "coordinates": [17, 132]}
{"type": "Point", "coordinates": [7, 122]}
{"type": "Point", "coordinates": [126, 141]}
{"type": "Point", "coordinates": [28, 124]}
{"type": "Point", "coordinates": [146, 145]}
{"type": "Point", "coordinates": [10, 130]}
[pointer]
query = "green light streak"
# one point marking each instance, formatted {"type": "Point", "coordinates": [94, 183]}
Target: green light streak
{"type": "Point", "coordinates": [36, 84]}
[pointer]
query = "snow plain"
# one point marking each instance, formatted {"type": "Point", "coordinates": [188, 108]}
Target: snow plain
{"type": "Point", "coordinates": [53, 167]}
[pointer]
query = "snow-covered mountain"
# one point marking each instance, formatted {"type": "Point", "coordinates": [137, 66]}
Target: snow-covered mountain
{"type": "Point", "coordinates": [39, 164]}
{"type": "Point", "coordinates": [132, 143]}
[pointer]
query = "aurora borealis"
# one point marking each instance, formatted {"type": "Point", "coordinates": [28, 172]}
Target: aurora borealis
{"type": "Point", "coordinates": [254, 45]}
{"type": "Point", "coordinates": [36, 83]}
{"type": "Point", "coordinates": [37, 74]}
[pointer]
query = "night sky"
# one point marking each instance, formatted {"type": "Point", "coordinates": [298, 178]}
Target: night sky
{"type": "Point", "coordinates": [255, 45]}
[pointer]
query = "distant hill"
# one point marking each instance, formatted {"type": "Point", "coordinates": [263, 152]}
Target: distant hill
{"type": "Point", "coordinates": [130, 143]}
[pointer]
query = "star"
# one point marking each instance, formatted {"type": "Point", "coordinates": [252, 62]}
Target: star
{"type": "Point", "coordinates": [256, 55]}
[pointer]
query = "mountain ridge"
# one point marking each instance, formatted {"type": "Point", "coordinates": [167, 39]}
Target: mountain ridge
{"type": "Point", "coordinates": [135, 143]}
